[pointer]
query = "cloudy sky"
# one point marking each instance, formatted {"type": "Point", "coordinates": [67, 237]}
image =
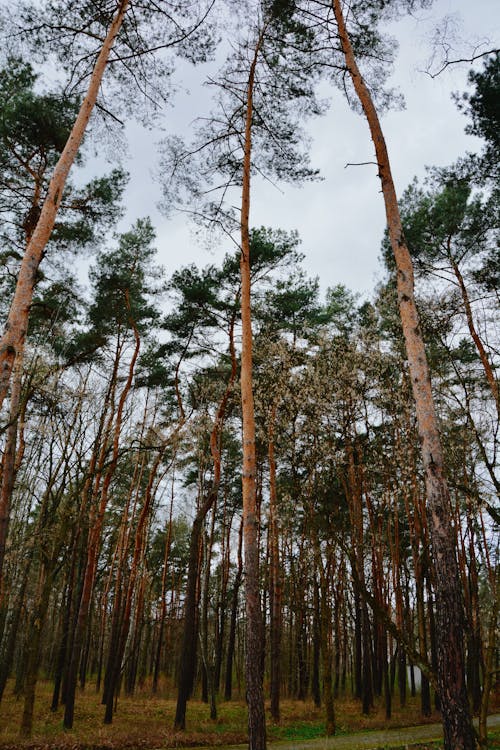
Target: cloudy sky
{"type": "Point", "coordinates": [341, 219]}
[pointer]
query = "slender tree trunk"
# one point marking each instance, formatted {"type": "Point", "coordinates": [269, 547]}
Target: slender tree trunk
{"type": "Point", "coordinates": [32, 653]}
{"type": "Point", "coordinates": [222, 603]}
{"type": "Point", "coordinates": [97, 519]}
{"type": "Point", "coordinates": [254, 635]}
{"type": "Point", "coordinates": [207, 657]}
{"type": "Point", "coordinates": [326, 653]}
{"type": "Point", "coordinates": [491, 650]}
{"type": "Point", "coordinates": [8, 467]}
{"type": "Point", "coordinates": [62, 651]}
{"type": "Point", "coordinates": [7, 652]}
{"type": "Point", "coordinates": [315, 682]}
{"type": "Point", "coordinates": [457, 723]}
{"type": "Point", "coordinates": [117, 649]}
{"type": "Point", "coordinates": [163, 606]}
{"type": "Point", "coordinates": [275, 578]}
{"type": "Point", "coordinates": [488, 370]}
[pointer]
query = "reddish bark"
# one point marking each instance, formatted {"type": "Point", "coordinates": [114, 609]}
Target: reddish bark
{"type": "Point", "coordinates": [488, 370]}
{"type": "Point", "coordinates": [254, 629]}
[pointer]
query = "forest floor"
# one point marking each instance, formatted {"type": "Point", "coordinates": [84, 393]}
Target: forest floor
{"type": "Point", "coordinates": [144, 722]}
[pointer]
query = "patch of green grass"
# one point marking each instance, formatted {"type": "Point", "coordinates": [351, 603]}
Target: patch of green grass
{"type": "Point", "coordinates": [300, 731]}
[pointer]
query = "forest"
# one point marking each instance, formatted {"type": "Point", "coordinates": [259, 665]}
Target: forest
{"type": "Point", "coordinates": [228, 488]}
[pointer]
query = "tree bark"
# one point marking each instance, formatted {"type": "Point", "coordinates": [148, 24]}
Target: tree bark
{"type": "Point", "coordinates": [275, 587]}
{"type": "Point", "coordinates": [8, 468]}
{"type": "Point", "coordinates": [457, 724]}
{"type": "Point", "coordinates": [488, 370]}
{"type": "Point", "coordinates": [255, 693]}
{"type": "Point", "coordinates": [163, 605]}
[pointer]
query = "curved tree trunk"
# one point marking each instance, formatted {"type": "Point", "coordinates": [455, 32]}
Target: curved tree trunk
{"type": "Point", "coordinates": [457, 724]}
{"type": "Point", "coordinates": [488, 370]}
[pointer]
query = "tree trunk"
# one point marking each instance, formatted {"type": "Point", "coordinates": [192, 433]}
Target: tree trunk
{"type": "Point", "coordinates": [163, 605]}
{"type": "Point", "coordinates": [222, 603]}
{"type": "Point", "coordinates": [8, 468]}
{"type": "Point", "coordinates": [315, 684]}
{"type": "Point", "coordinates": [488, 370]}
{"type": "Point", "coordinates": [457, 723]}
{"type": "Point", "coordinates": [32, 653]}
{"type": "Point", "coordinates": [232, 625]}
{"type": "Point", "coordinates": [8, 649]}
{"type": "Point", "coordinates": [275, 581]}
{"type": "Point", "coordinates": [254, 635]}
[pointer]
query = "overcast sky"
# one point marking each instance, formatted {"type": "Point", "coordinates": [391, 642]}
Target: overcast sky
{"type": "Point", "coordinates": [341, 219]}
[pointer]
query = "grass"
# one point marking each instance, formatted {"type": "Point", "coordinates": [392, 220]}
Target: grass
{"type": "Point", "coordinates": [304, 721]}
{"type": "Point", "coordinates": [145, 722]}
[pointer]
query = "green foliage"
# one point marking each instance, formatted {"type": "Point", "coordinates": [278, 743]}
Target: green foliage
{"type": "Point", "coordinates": [483, 105]}
{"type": "Point", "coordinates": [179, 549]}
{"type": "Point", "coordinates": [37, 122]}
{"type": "Point", "coordinates": [124, 283]}
{"type": "Point", "coordinates": [195, 294]}
{"type": "Point", "coordinates": [449, 224]}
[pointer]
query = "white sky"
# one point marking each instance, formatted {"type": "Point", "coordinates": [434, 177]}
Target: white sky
{"type": "Point", "coordinates": [341, 219]}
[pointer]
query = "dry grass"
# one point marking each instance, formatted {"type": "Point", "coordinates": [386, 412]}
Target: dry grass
{"type": "Point", "coordinates": [146, 721]}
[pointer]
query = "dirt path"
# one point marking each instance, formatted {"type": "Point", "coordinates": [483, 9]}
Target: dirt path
{"type": "Point", "coordinates": [371, 740]}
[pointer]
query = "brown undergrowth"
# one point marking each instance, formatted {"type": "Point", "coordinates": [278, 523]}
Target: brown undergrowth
{"type": "Point", "coordinates": [145, 722]}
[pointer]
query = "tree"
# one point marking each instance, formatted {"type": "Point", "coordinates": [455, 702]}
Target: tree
{"type": "Point", "coordinates": [458, 730]}
{"type": "Point", "coordinates": [261, 79]}
{"type": "Point", "coordinates": [33, 130]}
{"type": "Point", "coordinates": [482, 106]}
{"type": "Point", "coordinates": [69, 37]}
{"type": "Point", "coordinates": [449, 233]}
{"type": "Point", "coordinates": [122, 310]}
{"type": "Point", "coordinates": [12, 342]}
{"type": "Point", "coordinates": [200, 309]}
